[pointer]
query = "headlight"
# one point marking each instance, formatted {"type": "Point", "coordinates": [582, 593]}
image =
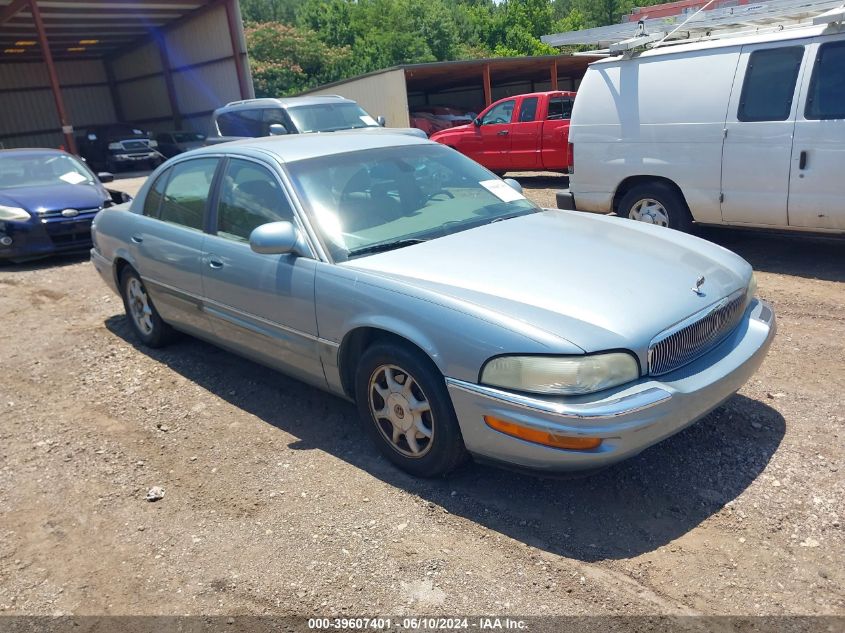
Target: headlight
{"type": "Point", "coordinates": [13, 214]}
{"type": "Point", "coordinates": [153, 143]}
{"type": "Point", "coordinates": [561, 375]}
{"type": "Point", "coordinates": [751, 292]}
{"type": "Point", "coordinates": [115, 146]}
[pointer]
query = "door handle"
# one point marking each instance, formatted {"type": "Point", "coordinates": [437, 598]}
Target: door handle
{"type": "Point", "coordinates": [137, 239]}
{"type": "Point", "coordinates": [502, 133]}
{"type": "Point", "coordinates": [802, 160]}
{"type": "Point", "coordinates": [213, 262]}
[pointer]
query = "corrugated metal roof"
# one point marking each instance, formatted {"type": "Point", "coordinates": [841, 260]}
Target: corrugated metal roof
{"type": "Point", "coordinates": [79, 29]}
{"type": "Point", "coordinates": [724, 20]}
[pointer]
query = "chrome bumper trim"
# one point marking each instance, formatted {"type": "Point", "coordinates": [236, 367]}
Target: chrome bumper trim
{"type": "Point", "coordinates": [603, 410]}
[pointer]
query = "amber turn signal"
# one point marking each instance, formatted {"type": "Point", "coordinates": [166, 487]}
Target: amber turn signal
{"type": "Point", "coordinates": [542, 437]}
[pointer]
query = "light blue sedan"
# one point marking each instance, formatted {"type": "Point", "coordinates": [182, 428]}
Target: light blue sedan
{"type": "Point", "coordinates": [462, 319]}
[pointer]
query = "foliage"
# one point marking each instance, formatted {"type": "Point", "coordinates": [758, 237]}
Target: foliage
{"type": "Point", "coordinates": [297, 44]}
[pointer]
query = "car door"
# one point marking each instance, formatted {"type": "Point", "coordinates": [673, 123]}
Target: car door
{"type": "Point", "coordinates": [818, 150]}
{"type": "Point", "coordinates": [757, 148]}
{"type": "Point", "coordinates": [555, 136]}
{"type": "Point", "coordinates": [167, 241]}
{"type": "Point", "coordinates": [490, 143]}
{"type": "Point", "coordinates": [260, 305]}
{"type": "Point", "coordinates": [526, 135]}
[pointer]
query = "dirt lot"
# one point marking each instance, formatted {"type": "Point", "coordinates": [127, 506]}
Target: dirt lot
{"type": "Point", "coordinates": [276, 503]}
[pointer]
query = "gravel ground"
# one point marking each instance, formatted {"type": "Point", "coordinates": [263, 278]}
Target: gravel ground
{"type": "Point", "coordinates": [274, 502]}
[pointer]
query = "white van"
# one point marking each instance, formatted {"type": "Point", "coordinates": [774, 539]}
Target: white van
{"type": "Point", "coordinates": [742, 131]}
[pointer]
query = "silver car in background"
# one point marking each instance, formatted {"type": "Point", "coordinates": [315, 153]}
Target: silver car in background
{"type": "Point", "coordinates": [460, 318]}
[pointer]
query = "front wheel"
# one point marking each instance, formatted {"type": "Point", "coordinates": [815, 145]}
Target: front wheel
{"type": "Point", "coordinates": [656, 203]}
{"type": "Point", "coordinates": [143, 317]}
{"type": "Point", "coordinates": [406, 410]}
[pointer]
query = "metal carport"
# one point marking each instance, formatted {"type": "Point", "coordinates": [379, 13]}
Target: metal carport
{"type": "Point", "coordinates": [69, 64]}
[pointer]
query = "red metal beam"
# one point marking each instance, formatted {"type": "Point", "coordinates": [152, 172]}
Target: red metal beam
{"type": "Point", "coordinates": [67, 128]}
{"type": "Point", "coordinates": [488, 90]}
{"type": "Point", "coordinates": [237, 50]}
{"type": "Point", "coordinates": [12, 10]}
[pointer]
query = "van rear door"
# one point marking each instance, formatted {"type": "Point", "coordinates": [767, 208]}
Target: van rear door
{"type": "Point", "coordinates": [818, 151]}
{"type": "Point", "coordinates": [757, 149]}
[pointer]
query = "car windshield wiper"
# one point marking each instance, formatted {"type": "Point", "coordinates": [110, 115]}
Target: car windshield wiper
{"type": "Point", "coordinates": [380, 247]}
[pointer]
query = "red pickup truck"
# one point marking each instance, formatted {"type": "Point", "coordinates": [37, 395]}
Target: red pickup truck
{"type": "Point", "coordinates": [523, 133]}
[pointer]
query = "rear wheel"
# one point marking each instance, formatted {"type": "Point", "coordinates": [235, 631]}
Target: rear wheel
{"type": "Point", "coordinates": [656, 203]}
{"type": "Point", "coordinates": [406, 410]}
{"type": "Point", "coordinates": [143, 317]}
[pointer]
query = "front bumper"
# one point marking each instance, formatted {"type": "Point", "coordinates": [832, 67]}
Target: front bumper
{"type": "Point", "coordinates": [629, 419]}
{"type": "Point", "coordinates": [46, 236]}
{"type": "Point", "coordinates": [129, 159]}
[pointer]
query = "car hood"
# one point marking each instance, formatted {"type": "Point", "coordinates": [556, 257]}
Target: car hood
{"type": "Point", "coordinates": [598, 282]}
{"type": "Point", "coordinates": [410, 131]}
{"type": "Point", "coordinates": [54, 197]}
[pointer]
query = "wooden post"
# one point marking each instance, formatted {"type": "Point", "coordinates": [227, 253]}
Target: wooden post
{"type": "Point", "coordinates": [168, 80]}
{"type": "Point", "coordinates": [488, 91]}
{"type": "Point", "coordinates": [554, 75]}
{"type": "Point", "coordinates": [237, 50]}
{"type": "Point", "coordinates": [67, 128]}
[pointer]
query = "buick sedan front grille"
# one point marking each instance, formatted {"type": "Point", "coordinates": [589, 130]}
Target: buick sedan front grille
{"type": "Point", "coordinates": [682, 345]}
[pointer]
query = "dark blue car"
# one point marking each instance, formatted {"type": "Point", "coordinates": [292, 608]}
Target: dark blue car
{"type": "Point", "coordinates": [47, 201]}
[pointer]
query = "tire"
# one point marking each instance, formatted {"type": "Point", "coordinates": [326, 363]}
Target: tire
{"type": "Point", "coordinates": [656, 203]}
{"type": "Point", "coordinates": [381, 386]}
{"type": "Point", "coordinates": [142, 315]}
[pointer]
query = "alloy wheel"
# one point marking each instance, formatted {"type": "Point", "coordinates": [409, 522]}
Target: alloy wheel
{"type": "Point", "coordinates": [401, 410]}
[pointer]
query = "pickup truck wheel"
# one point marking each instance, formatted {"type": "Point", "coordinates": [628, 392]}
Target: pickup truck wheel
{"type": "Point", "coordinates": [656, 203]}
{"type": "Point", "coordinates": [142, 315]}
{"type": "Point", "coordinates": [406, 410]}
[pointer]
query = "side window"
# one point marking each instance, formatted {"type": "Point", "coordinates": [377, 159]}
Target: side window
{"type": "Point", "coordinates": [826, 97]}
{"type": "Point", "coordinates": [770, 84]}
{"type": "Point", "coordinates": [154, 196]}
{"type": "Point", "coordinates": [501, 113]}
{"type": "Point", "coordinates": [187, 191]}
{"type": "Point", "coordinates": [249, 197]}
{"type": "Point", "coordinates": [274, 115]}
{"type": "Point", "coordinates": [240, 123]}
{"type": "Point", "coordinates": [560, 108]}
{"type": "Point", "coordinates": [528, 110]}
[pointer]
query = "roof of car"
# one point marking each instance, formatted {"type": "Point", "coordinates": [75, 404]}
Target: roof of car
{"type": "Point", "coordinates": [287, 102]}
{"type": "Point", "coordinates": [295, 147]}
{"type": "Point", "coordinates": [31, 151]}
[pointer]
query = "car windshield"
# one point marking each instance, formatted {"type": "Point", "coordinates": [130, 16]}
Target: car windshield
{"type": "Point", "coordinates": [330, 117]}
{"type": "Point", "coordinates": [48, 169]}
{"type": "Point", "coordinates": [372, 200]}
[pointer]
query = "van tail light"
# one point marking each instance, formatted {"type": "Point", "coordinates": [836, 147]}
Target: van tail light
{"type": "Point", "coordinates": [571, 158]}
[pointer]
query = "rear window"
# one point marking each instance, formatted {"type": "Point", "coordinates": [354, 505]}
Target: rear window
{"type": "Point", "coordinates": [560, 108]}
{"type": "Point", "coordinates": [826, 97]}
{"type": "Point", "coordinates": [770, 84]}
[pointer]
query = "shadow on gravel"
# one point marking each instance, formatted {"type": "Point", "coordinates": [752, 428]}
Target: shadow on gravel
{"type": "Point", "coordinates": [540, 181]}
{"type": "Point", "coordinates": [797, 255]}
{"type": "Point", "coordinates": [51, 261]}
{"type": "Point", "coordinates": [626, 510]}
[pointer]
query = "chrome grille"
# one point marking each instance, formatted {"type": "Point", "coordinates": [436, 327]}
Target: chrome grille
{"type": "Point", "coordinates": [135, 145]}
{"type": "Point", "coordinates": [677, 347]}
{"type": "Point", "coordinates": [57, 213]}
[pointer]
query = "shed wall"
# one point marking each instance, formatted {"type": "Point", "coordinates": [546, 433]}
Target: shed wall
{"type": "Point", "coordinates": [382, 94]}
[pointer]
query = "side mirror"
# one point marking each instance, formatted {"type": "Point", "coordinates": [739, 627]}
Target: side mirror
{"type": "Point", "coordinates": [381, 120]}
{"type": "Point", "coordinates": [513, 184]}
{"type": "Point", "coordinates": [477, 122]}
{"type": "Point", "coordinates": [105, 176]}
{"type": "Point", "coordinates": [277, 129]}
{"type": "Point", "coordinates": [275, 238]}
{"type": "Point", "coordinates": [92, 137]}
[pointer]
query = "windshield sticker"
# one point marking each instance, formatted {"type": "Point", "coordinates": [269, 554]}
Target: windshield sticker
{"type": "Point", "coordinates": [502, 190]}
{"type": "Point", "coordinates": [368, 120]}
{"type": "Point", "coordinates": [73, 178]}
